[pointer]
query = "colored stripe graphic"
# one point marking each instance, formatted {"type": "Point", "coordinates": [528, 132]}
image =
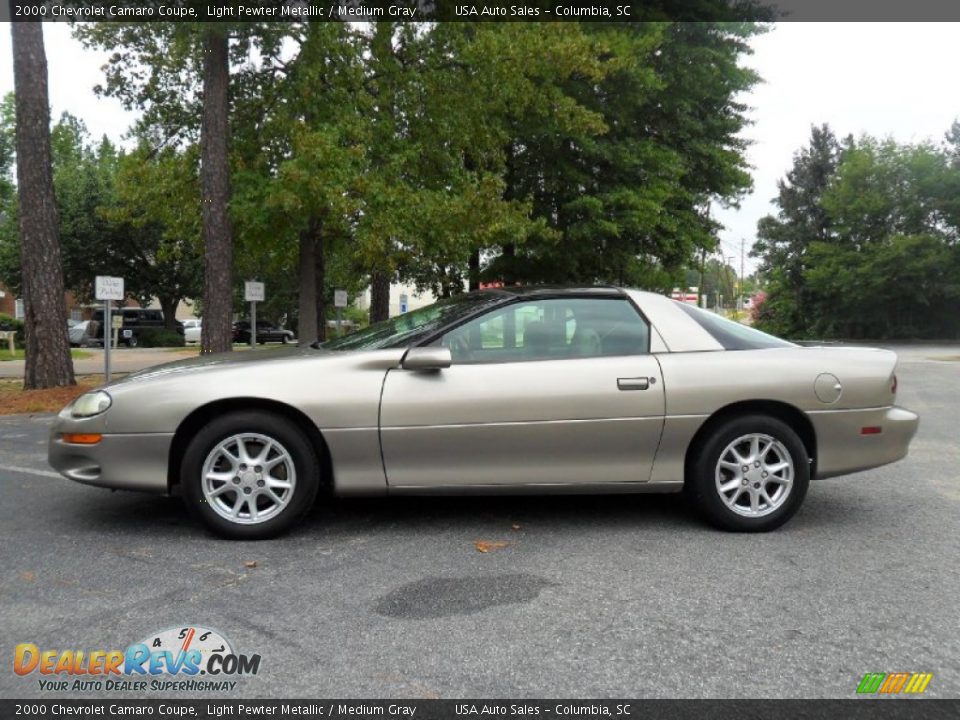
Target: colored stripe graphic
{"type": "Point", "coordinates": [918, 683]}
{"type": "Point", "coordinates": [871, 682]}
{"type": "Point", "coordinates": [893, 683]}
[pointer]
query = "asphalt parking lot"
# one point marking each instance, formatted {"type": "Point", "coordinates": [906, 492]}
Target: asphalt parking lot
{"type": "Point", "coordinates": [591, 597]}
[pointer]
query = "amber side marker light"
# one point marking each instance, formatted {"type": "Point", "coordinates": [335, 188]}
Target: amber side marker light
{"type": "Point", "coordinates": [82, 438]}
{"type": "Point", "coordinates": [871, 430]}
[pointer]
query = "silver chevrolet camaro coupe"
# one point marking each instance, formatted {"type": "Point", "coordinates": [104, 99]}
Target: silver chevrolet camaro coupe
{"type": "Point", "coordinates": [529, 390]}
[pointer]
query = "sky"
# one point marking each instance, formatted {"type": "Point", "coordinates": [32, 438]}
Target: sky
{"type": "Point", "coordinates": [883, 79]}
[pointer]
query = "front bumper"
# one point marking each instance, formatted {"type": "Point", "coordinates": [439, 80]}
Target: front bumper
{"type": "Point", "coordinates": [123, 461]}
{"type": "Point", "coordinates": [842, 447]}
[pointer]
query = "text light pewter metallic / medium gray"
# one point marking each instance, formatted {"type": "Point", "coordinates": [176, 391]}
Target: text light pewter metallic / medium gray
{"type": "Point", "coordinates": [518, 390]}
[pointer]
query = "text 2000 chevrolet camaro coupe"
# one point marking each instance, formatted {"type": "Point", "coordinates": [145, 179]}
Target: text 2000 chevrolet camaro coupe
{"type": "Point", "coordinates": [598, 390]}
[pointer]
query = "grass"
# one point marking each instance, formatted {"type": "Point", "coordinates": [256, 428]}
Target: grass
{"type": "Point", "coordinates": [19, 354]}
{"type": "Point", "coordinates": [15, 400]}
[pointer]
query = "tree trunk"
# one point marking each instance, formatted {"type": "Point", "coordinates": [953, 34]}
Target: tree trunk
{"type": "Point", "coordinates": [48, 362]}
{"type": "Point", "coordinates": [379, 296]}
{"type": "Point", "coordinates": [168, 306]}
{"type": "Point", "coordinates": [473, 272]}
{"type": "Point", "coordinates": [217, 335]}
{"type": "Point", "coordinates": [509, 267]}
{"type": "Point", "coordinates": [320, 275]}
{"type": "Point", "coordinates": [307, 313]}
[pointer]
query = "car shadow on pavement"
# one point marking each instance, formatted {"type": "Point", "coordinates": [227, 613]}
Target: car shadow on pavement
{"type": "Point", "coordinates": [159, 517]}
{"type": "Point", "coordinates": [99, 511]}
{"type": "Point", "coordinates": [416, 514]}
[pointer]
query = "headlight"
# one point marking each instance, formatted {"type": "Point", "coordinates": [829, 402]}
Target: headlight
{"type": "Point", "coordinates": [90, 404]}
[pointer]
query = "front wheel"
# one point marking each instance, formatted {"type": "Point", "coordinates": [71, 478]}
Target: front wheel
{"type": "Point", "coordinates": [132, 341]}
{"type": "Point", "coordinates": [250, 475]}
{"type": "Point", "coordinates": [749, 475]}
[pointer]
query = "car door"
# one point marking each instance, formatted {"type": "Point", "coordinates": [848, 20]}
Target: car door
{"type": "Point", "coordinates": [542, 392]}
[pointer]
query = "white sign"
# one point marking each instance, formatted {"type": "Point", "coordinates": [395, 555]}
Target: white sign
{"type": "Point", "coordinates": [339, 298]}
{"type": "Point", "coordinates": [404, 301]}
{"type": "Point", "coordinates": [253, 291]}
{"type": "Point", "coordinates": [109, 288]}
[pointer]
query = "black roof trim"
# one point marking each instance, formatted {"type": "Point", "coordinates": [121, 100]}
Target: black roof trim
{"type": "Point", "coordinates": [557, 290]}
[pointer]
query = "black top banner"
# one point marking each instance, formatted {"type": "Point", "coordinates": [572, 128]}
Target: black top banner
{"type": "Point", "coordinates": [491, 11]}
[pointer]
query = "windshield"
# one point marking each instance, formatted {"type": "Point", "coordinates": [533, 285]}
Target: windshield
{"type": "Point", "coordinates": [411, 327]}
{"type": "Point", "coordinates": [733, 335]}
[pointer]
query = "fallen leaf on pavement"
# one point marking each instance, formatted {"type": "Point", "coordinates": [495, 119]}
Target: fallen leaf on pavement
{"type": "Point", "coordinates": [27, 576]}
{"type": "Point", "coordinates": [250, 563]}
{"type": "Point", "coordinates": [515, 526]}
{"type": "Point", "coordinates": [488, 545]}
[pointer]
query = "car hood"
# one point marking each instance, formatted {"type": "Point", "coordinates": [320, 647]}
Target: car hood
{"type": "Point", "coordinates": [204, 363]}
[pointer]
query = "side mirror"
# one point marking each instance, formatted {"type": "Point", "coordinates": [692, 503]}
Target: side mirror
{"type": "Point", "coordinates": [426, 358]}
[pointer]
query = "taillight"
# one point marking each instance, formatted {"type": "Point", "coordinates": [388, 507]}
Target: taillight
{"type": "Point", "coordinates": [893, 385]}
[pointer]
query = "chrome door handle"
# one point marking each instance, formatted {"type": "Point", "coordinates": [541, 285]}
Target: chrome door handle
{"type": "Point", "coordinates": [638, 383]}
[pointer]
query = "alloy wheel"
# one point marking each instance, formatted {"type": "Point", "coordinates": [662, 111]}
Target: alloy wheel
{"type": "Point", "coordinates": [248, 478]}
{"type": "Point", "coordinates": [754, 475]}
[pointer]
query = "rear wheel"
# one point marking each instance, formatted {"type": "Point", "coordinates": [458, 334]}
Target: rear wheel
{"type": "Point", "coordinates": [132, 341]}
{"type": "Point", "coordinates": [250, 475]}
{"type": "Point", "coordinates": [750, 474]}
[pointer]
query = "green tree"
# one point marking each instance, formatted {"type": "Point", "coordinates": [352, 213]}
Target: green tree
{"type": "Point", "coordinates": [300, 148]}
{"type": "Point", "coordinates": [874, 250]}
{"type": "Point", "coordinates": [890, 270]}
{"type": "Point", "coordinates": [783, 241]}
{"type": "Point", "coordinates": [135, 216]}
{"type": "Point", "coordinates": [178, 76]}
{"type": "Point", "coordinates": [629, 204]}
{"type": "Point", "coordinates": [154, 218]}
{"type": "Point", "coordinates": [9, 222]}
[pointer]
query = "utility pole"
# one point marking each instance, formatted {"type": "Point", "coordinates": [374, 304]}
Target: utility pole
{"type": "Point", "coordinates": [740, 302]}
{"type": "Point", "coordinates": [703, 261]}
{"type": "Point", "coordinates": [727, 261]}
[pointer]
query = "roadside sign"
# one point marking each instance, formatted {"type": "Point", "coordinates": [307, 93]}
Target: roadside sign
{"type": "Point", "coordinates": [340, 298]}
{"type": "Point", "coordinates": [404, 302]}
{"type": "Point", "coordinates": [116, 322]}
{"type": "Point", "coordinates": [253, 291]}
{"type": "Point", "coordinates": [109, 288]}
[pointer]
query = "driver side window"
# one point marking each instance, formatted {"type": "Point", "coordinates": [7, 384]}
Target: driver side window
{"type": "Point", "coordinates": [554, 329]}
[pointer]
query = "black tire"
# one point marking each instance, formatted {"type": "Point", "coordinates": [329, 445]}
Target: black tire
{"type": "Point", "coordinates": [702, 486]}
{"type": "Point", "coordinates": [132, 341]}
{"type": "Point", "coordinates": [278, 428]}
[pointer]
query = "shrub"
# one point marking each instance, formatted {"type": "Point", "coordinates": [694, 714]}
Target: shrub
{"type": "Point", "coordinates": [9, 323]}
{"type": "Point", "coordinates": [159, 337]}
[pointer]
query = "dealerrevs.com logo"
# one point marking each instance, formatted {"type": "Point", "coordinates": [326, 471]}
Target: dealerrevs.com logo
{"type": "Point", "coordinates": [190, 658]}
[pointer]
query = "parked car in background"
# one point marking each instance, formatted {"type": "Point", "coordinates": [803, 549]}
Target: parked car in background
{"type": "Point", "coordinates": [266, 332]}
{"type": "Point", "coordinates": [81, 333]}
{"type": "Point", "coordinates": [134, 320]}
{"type": "Point", "coordinates": [192, 329]}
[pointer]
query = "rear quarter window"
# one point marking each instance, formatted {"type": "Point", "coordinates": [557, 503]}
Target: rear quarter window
{"type": "Point", "coordinates": [730, 334]}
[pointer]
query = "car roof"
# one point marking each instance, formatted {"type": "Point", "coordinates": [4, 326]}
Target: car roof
{"type": "Point", "coordinates": [535, 291]}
